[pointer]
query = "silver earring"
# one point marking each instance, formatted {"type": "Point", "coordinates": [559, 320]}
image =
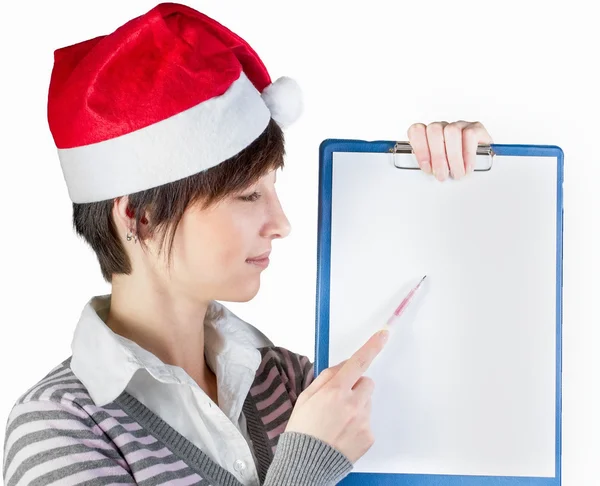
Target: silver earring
{"type": "Point", "coordinates": [131, 236]}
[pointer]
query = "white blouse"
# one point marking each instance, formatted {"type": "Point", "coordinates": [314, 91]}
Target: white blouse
{"type": "Point", "coordinates": [107, 364]}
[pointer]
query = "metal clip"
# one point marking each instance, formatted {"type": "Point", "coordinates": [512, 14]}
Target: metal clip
{"type": "Point", "coordinates": [405, 148]}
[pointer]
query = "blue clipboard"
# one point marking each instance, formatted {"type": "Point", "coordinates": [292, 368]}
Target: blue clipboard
{"type": "Point", "coordinates": [324, 260]}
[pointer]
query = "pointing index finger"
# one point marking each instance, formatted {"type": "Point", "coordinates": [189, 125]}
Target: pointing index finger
{"type": "Point", "coordinates": [360, 361]}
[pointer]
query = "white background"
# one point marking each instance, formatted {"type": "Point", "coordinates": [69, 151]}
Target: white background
{"type": "Point", "coordinates": [528, 70]}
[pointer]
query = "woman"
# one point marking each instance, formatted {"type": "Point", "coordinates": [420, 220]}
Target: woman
{"type": "Point", "coordinates": [169, 136]}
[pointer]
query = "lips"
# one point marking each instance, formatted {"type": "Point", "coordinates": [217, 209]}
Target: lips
{"type": "Point", "coordinates": [262, 256]}
{"type": "Point", "coordinates": [261, 260]}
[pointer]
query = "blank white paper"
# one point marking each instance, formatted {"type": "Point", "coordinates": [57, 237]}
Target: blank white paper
{"type": "Point", "coordinates": [467, 382]}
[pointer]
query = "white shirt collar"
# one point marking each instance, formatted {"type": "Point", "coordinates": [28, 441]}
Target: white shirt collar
{"type": "Point", "coordinates": [105, 362]}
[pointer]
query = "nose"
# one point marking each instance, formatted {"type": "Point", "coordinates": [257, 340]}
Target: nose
{"type": "Point", "coordinates": [278, 226]}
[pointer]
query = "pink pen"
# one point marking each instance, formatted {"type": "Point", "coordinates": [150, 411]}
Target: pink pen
{"type": "Point", "coordinates": [404, 304]}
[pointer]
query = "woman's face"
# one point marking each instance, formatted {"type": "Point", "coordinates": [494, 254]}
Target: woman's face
{"type": "Point", "coordinates": [220, 252]}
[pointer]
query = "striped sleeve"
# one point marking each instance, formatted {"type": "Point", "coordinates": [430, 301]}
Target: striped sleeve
{"type": "Point", "coordinates": [304, 460]}
{"type": "Point", "coordinates": [308, 372]}
{"type": "Point", "coordinates": [299, 370]}
{"type": "Point", "coordinates": [49, 442]}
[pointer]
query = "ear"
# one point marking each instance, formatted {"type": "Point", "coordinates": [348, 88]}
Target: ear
{"type": "Point", "coordinates": [125, 219]}
{"type": "Point", "coordinates": [122, 215]}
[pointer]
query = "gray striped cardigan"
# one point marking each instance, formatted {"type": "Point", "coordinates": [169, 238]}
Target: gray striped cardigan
{"type": "Point", "coordinates": [57, 435]}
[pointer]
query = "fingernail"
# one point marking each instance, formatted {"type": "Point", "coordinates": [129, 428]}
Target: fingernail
{"type": "Point", "coordinates": [383, 335]}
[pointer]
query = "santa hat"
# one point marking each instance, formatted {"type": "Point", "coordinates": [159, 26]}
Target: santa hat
{"type": "Point", "coordinates": [167, 95]}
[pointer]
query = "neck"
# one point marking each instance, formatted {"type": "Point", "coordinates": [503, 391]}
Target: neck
{"type": "Point", "coordinates": [170, 327]}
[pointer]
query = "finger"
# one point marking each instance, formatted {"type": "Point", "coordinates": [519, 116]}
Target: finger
{"type": "Point", "coordinates": [473, 135]}
{"type": "Point", "coordinates": [417, 137]}
{"type": "Point", "coordinates": [368, 407]}
{"type": "Point", "coordinates": [360, 361]}
{"type": "Point", "coordinates": [363, 390]}
{"type": "Point", "coordinates": [324, 377]}
{"type": "Point", "coordinates": [435, 139]}
{"type": "Point", "coordinates": [454, 150]}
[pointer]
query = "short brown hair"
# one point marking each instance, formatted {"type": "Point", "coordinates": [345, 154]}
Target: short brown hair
{"type": "Point", "coordinates": [166, 204]}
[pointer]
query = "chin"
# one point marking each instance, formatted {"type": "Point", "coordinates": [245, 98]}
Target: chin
{"type": "Point", "coordinates": [241, 294]}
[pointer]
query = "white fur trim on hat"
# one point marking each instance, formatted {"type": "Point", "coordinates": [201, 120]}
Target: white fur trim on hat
{"type": "Point", "coordinates": [284, 99]}
{"type": "Point", "coordinates": [172, 149]}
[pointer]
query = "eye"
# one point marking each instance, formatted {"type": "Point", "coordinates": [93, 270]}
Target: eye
{"type": "Point", "coordinates": [250, 197]}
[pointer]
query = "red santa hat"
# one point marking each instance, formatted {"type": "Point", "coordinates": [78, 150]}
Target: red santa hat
{"type": "Point", "coordinates": [167, 95]}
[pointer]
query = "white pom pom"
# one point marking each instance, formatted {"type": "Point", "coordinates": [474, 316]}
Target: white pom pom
{"type": "Point", "coordinates": [284, 99]}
